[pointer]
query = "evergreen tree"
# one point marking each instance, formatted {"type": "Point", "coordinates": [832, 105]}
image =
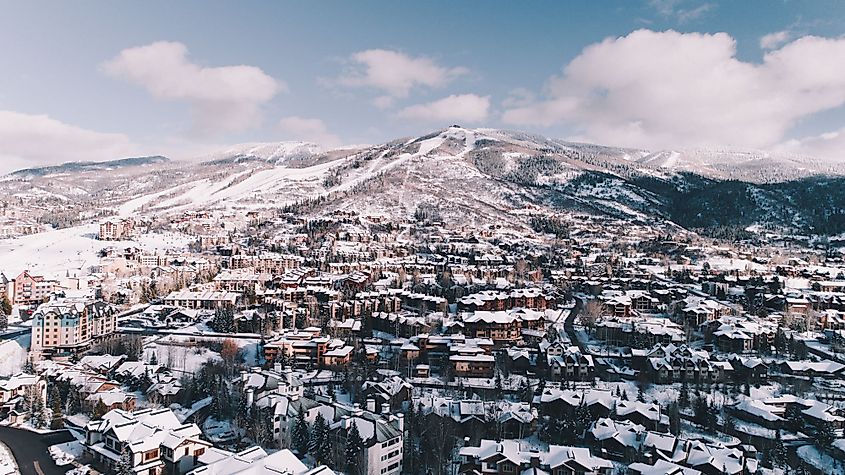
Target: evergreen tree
{"type": "Point", "coordinates": [124, 465]}
{"type": "Point", "coordinates": [624, 394]}
{"type": "Point", "coordinates": [320, 444]}
{"type": "Point", "coordinates": [100, 409]}
{"type": "Point", "coordinates": [56, 422]}
{"type": "Point", "coordinates": [354, 448]}
{"type": "Point", "coordinates": [74, 405]}
{"type": "Point", "coordinates": [674, 414]}
{"type": "Point", "coordinates": [583, 420]}
{"type": "Point", "coordinates": [154, 359]}
{"type": "Point", "coordinates": [683, 395]}
{"type": "Point", "coordinates": [777, 453]}
{"type": "Point", "coordinates": [640, 394]}
{"type": "Point", "coordinates": [301, 437]}
{"type": "Point", "coordinates": [5, 305]}
{"type": "Point", "coordinates": [823, 435]}
{"type": "Point", "coordinates": [37, 416]}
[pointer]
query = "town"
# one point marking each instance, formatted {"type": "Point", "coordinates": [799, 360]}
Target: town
{"type": "Point", "coordinates": [363, 345]}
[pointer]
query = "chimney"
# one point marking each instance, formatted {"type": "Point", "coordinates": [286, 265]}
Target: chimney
{"type": "Point", "coordinates": [401, 424]}
{"type": "Point", "coordinates": [371, 404]}
{"type": "Point", "coordinates": [244, 376]}
{"type": "Point", "coordinates": [250, 397]}
{"type": "Point", "coordinates": [277, 367]}
{"type": "Point", "coordinates": [289, 375]}
{"type": "Point", "coordinates": [385, 408]}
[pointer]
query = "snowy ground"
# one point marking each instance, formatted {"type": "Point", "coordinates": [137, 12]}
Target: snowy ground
{"type": "Point", "coordinates": [13, 354]}
{"type": "Point", "coordinates": [65, 454]}
{"type": "Point", "coordinates": [8, 466]}
{"type": "Point", "coordinates": [73, 251]}
{"type": "Point", "coordinates": [186, 354]}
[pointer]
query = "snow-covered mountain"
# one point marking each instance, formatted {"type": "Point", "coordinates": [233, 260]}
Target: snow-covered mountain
{"type": "Point", "coordinates": [469, 175]}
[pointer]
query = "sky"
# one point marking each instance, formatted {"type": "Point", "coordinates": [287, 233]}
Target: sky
{"type": "Point", "coordinates": [99, 80]}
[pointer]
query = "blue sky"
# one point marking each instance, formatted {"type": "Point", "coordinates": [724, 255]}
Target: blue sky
{"type": "Point", "coordinates": [97, 79]}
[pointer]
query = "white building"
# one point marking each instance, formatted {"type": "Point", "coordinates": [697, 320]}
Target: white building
{"type": "Point", "coordinates": [70, 325]}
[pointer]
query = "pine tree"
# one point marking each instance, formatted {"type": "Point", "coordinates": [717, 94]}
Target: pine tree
{"type": "Point", "coordinates": [320, 444]}
{"type": "Point", "coordinates": [583, 420]}
{"type": "Point", "coordinates": [824, 435]}
{"type": "Point", "coordinates": [5, 305]}
{"type": "Point", "coordinates": [100, 409]}
{"type": "Point", "coordinates": [683, 395]}
{"type": "Point", "coordinates": [624, 394]}
{"type": "Point", "coordinates": [74, 405]}
{"type": "Point", "coordinates": [354, 447]}
{"type": "Point", "coordinates": [640, 394]}
{"type": "Point", "coordinates": [124, 465]}
{"type": "Point", "coordinates": [56, 422]}
{"type": "Point", "coordinates": [37, 415]}
{"type": "Point", "coordinates": [301, 438]}
{"type": "Point", "coordinates": [778, 452]}
{"type": "Point", "coordinates": [674, 414]}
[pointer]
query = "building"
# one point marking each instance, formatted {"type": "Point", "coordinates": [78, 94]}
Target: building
{"type": "Point", "coordinates": [115, 229]}
{"type": "Point", "coordinates": [28, 289]}
{"type": "Point", "coordinates": [154, 440]}
{"type": "Point", "coordinates": [202, 300]}
{"type": "Point", "coordinates": [254, 461]}
{"type": "Point", "coordinates": [70, 325]}
{"type": "Point", "coordinates": [510, 456]}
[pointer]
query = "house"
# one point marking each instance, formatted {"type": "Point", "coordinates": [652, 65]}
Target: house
{"type": "Point", "coordinates": [208, 300]}
{"type": "Point", "coordinates": [154, 441]}
{"type": "Point", "coordinates": [383, 440]}
{"type": "Point", "coordinates": [510, 456]}
{"type": "Point", "coordinates": [15, 388]}
{"type": "Point", "coordinates": [572, 366]}
{"type": "Point", "coordinates": [254, 461]}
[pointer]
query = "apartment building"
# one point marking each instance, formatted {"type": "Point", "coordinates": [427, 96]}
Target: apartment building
{"type": "Point", "coordinates": [70, 325]}
{"type": "Point", "coordinates": [115, 229]}
{"type": "Point", "coordinates": [28, 289]}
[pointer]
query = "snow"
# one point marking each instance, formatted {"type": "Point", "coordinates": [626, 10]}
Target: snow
{"type": "Point", "coordinates": [65, 454]}
{"type": "Point", "coordinates": [56, 252]}
{"type": "Point", "coordinates": [8, 466]}
{"type": "Point", "coordinates": [13, 355]}
{"type": "Point", "coordinates": [820, 460]}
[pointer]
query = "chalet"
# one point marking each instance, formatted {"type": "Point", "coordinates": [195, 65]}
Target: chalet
{"type": "Point", "coordinates": [509, 456]}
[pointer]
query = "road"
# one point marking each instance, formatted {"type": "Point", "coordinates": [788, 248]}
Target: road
{"type": "Point", "coordinates": [30, 450]}
{"type": "Point", "coordinates": [569, 326]}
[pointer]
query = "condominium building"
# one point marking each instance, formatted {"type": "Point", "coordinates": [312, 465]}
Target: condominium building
{"type": "Point", "coordinates": [70, 325]}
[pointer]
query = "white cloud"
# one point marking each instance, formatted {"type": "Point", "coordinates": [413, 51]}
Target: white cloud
{"type": "Point", "coordinates": [774, 40]}
{"type": "Point", "coordinates": [669, 89]}
{"type": "Point", "coordinates": [222, 99]}
{"type": "Point", "coordinates": [33, 140]}
{"type": "Point", "coordinates": [455, 108]}
{"type": "Point", "coordinates": [309, 130]}
{"type": "Point", "coordinates": [828, 146]}
{"type": "Point", "coordinates": [674, 9]}
{"type": "Point", "coordinates": [395, 74]}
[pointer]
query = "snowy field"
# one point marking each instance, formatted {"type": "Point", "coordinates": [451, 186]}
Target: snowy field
{"type": "Point", "coordinates": [13, 354]}
{"type": "Point", "coordinates": [8, 466]}
{"type": "Point", "coordinates": [65, 454]}
{"type": "Point", "coordinates": [73, 251]}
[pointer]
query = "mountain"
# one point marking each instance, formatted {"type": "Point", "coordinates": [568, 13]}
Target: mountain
{"type": "Point", "coordinates": [75, 167]}
{"type": "Point", "coordinates": [466, 176]}
{"type": "Point", "coordinates": [273, 153]}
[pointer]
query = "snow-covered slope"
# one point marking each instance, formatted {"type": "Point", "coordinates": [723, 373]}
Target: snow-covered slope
{"type": "Point", "coordinates": [469, 175]}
